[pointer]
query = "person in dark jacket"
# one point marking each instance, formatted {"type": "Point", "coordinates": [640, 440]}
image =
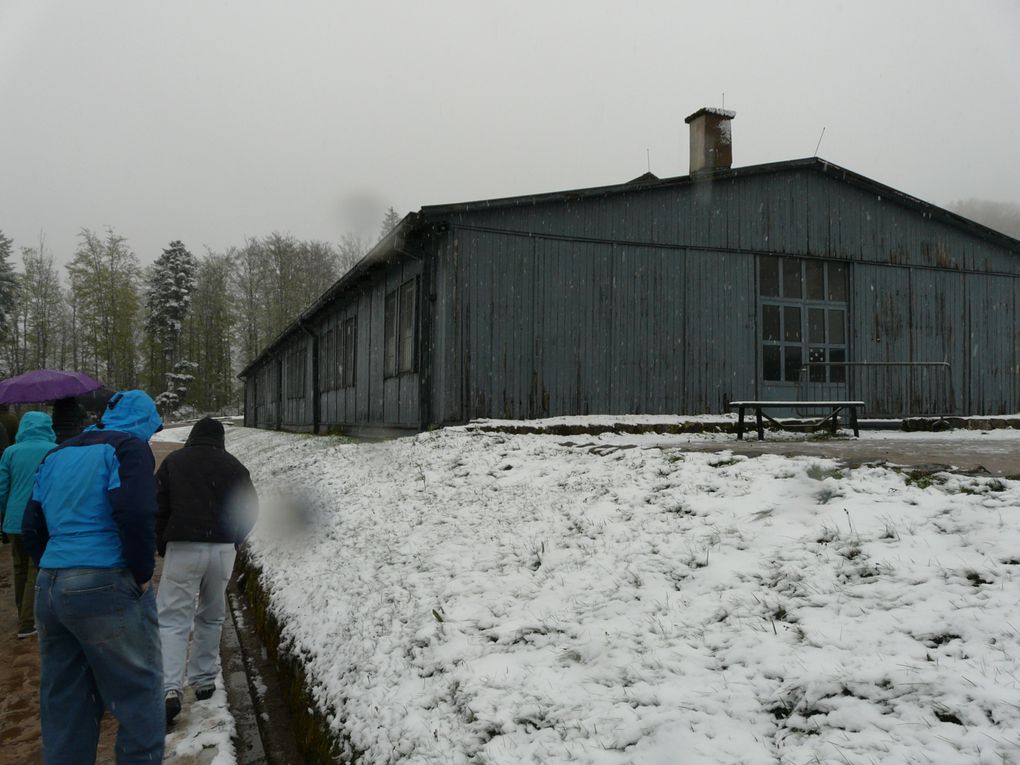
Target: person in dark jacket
{"type": "Point", "coordinates": [68, 418]}
{"type": "Point", "coordinates": [9, 421]}
{"type": "Point", "coordinates": [207, 507]}
{"type": "Point", "coordinates": [90, 527]}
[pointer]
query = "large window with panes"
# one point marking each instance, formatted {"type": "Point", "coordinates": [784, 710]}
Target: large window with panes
{"type": "Point", "coordinates": [399, 328]}
{"type": "Point", "coordinates": [803, 319]}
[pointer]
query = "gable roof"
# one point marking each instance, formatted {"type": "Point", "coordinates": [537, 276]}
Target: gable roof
{"type": "Point", "coordinates": [817, 164]}
{"type": "Point", "coordinates": [393, 243]}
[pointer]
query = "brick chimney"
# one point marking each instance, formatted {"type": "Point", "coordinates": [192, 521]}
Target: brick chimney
{"type": "Point", "coordinates": [711, 142]}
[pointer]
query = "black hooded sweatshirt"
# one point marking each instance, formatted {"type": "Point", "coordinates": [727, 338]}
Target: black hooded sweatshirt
{"type": "Point", "coordinates": [204, 493]}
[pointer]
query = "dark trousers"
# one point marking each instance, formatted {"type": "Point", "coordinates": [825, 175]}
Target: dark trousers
{"type": "Point", "coordinates": [24, 583]}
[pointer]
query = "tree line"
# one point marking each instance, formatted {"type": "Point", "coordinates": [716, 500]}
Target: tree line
{"type": "Point", "coordinates": [181, 328]}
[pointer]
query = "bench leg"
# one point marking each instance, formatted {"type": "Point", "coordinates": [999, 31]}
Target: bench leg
{"type": "Point", "coordinates": [853, 421]}
{"type": "Point", "coordinates": [761, 430]}
{"type": "Point", "coordinates": [740, 423]}
{"type": "Point", "coordinates": [834, 422]}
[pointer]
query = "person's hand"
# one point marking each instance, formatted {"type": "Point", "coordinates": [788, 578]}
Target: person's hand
{"type": "Point", "coordinates": [145, 586]}
{"type": "Point", "coordinates": [4, 539]}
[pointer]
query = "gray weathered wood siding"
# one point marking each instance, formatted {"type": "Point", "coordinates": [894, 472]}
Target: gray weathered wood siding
{"type": "Point", "coordinates": [529, 326]}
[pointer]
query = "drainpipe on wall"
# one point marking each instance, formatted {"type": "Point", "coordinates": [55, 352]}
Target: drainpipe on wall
{"type": "Point", "coordinates": [314, 376]}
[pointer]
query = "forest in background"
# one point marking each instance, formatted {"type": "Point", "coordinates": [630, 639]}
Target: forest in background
{"type": "Point", "coordinates": [181, 328]}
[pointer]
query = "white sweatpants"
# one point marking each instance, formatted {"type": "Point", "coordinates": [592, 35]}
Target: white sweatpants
{"type": "Point", "coordinates": [194, 574]}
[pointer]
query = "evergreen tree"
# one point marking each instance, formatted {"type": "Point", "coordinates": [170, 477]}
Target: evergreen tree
{"type": "Point", "coordinates": [169, 288]}
{"type": "Point", "coordinates": [389, 222]}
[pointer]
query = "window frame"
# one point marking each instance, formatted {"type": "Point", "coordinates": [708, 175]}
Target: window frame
{"type": "Point", "coordinates": [798, 343]}
{"type": "Point", "coordinates": [400, 329]}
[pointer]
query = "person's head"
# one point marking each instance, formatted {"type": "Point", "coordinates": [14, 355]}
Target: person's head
{"type": "Point", "coordinates": [207, 432]}
{"type": "Point", "coordinates": [131, 411]}
{"type": "Point", "coordinates": [36, 426]}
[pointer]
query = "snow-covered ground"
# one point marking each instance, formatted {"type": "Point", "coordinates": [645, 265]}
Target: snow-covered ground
{"type": "Point", "coordinates": [475, 597]}
{"type": "Point", "coordinates": [203, 732]}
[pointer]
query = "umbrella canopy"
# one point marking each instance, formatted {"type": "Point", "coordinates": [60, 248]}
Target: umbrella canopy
{"type": "Point", "coordinates": [45, 385]}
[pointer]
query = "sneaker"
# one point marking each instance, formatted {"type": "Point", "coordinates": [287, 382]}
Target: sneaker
{"type": "Point", "coordinates": [26, 632]}
{"type": "Point", "coordinates": [204, 692]}
{"type": "Point", "coordinates": [173, 706]}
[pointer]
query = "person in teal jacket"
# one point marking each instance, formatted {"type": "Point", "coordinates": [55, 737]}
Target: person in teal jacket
{"type": "Point", "coordinates": [18, 464]}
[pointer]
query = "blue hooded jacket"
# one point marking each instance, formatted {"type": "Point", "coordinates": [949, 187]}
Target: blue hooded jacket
{"type": "Point", "coordinates": [94, 501]}
{"type": "Point", "coordinates": [17, 467]}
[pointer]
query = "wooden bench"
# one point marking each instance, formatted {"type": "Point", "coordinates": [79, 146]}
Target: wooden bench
{"type": "Point", "coordinates": [832, 418]}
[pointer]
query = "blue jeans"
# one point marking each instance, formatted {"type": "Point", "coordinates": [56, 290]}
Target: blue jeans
{"type": "Point", "coordinates": [99, 646]}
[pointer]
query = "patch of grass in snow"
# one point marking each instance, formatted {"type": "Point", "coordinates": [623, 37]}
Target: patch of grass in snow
{"type": "Point", "coordinates": [820, 472]}
{"type": "Point", "coordinates": [923, 479]}
{"type": "Point", "coordinates": [726, 462]}
{"type": "Point", "coordinates": [979, 486]}
{"type": "Point", "coordinates": [827, 534]}
{"type": "Point", "coordinates": [944, 714]}
{"type": "Point", "coordinates": [827, 494]}
{"type": "Point", "coordinates": [851, 551]}
{"type": "Point", "coordinates": [976, 579]}
{"type": "Point", "coordinates": [681, 508]}
{"type": "Point", "coordinates": [889, 532]}
{"type": "Point", "coordinates": [935, 641]}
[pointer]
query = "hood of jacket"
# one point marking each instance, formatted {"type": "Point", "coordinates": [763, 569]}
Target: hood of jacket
{"type": "Point", "coordinates": [130, 411]}
{"type": "Point", "coordinates": [207, 432]}
{"type": "Point", "coordinates": [36, 426]}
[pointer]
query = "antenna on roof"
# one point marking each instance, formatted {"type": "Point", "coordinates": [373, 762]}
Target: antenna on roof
{"type": "Point", "coordinates": [724, 99]}
{"type": "Point", "coordinates": [819, 141]}
{"type": "Point", "coordinates": [648, 158]}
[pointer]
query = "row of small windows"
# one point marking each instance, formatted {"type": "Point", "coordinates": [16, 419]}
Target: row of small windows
{"type": "Point", "coordinates": [338, 350]}
{"type": "Point", "coordinates": [799, 279]}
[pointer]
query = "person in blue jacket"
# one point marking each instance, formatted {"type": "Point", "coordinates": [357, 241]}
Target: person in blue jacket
{"type": "Point", "coordinates": [17, 474]}
{"type": "Point", "coordinates": [90, 526]}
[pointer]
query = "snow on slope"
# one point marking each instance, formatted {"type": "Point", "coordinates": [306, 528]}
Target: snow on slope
{"type": "Point", "coordinates": [483, 598]}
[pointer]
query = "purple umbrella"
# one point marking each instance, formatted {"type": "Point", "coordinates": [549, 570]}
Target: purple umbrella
{"type": "Point", "coordinates": [45, 385]}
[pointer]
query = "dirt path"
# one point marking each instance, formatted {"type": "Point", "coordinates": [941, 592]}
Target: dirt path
{"type": "Point", "coordinates": [19, 674]}
{"type": "Point", "coordinates": [1000, 458]}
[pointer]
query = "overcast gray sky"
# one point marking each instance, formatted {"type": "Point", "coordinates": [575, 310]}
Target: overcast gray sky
{"type": "Point", "coordinates": [209, 121]}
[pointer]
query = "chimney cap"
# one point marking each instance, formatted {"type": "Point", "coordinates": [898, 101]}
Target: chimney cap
{"type": "Point", "coordinates": [724, 113]}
